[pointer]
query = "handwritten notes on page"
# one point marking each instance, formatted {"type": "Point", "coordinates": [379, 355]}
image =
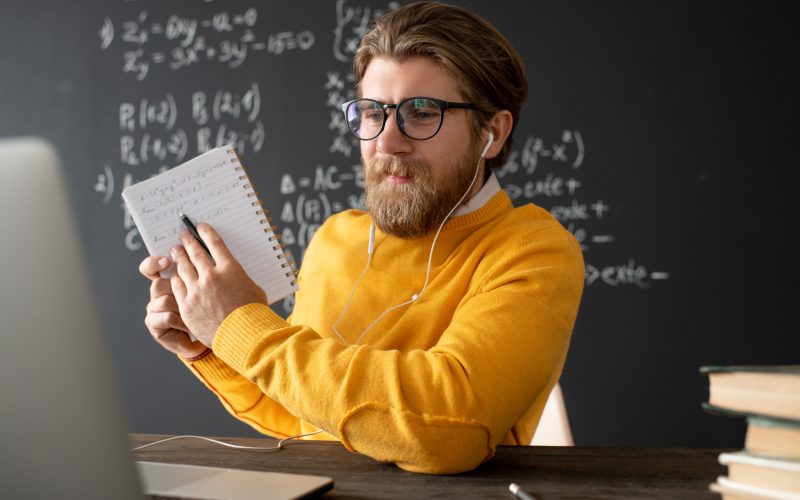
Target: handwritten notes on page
{"type": "Point", "coordinates": [212, 188]}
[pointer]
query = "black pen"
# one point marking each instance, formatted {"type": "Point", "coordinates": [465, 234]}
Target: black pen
{"type": "Point", "coordinates": [192, 229]}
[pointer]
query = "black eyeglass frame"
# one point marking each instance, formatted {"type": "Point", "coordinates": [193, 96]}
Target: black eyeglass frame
{"type": "Point", "coordinates": [443, 106]}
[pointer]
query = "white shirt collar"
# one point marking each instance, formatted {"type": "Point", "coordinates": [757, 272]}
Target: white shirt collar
{"type": "Point", "coordinates": [489, 189]}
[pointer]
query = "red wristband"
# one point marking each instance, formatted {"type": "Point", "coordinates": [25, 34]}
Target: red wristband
{"type": "Point", "coordinates": [199, 356]}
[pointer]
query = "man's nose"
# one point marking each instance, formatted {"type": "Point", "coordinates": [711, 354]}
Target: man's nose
{"type": "Point", "coordinates": [392, 141]}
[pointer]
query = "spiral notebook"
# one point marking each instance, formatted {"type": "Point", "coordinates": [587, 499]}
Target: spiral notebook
{"type": "Point", "coordinates": [212, 188]}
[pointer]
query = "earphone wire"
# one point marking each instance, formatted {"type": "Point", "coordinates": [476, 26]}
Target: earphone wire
{"type": "Point", "coordinates": [229, 445]}
{"type": "Point", "coordinates": [436, 238]}
{"type": "Point", "coordinates": [417, 295]}
{"type": "Point", "coordinates": [350, 298]}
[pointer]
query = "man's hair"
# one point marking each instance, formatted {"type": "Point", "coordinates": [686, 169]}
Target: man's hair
{"type": "Point", "coordinates": [489, 70]}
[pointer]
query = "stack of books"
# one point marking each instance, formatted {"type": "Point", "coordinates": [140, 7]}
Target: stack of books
{"type": "Point", "coordinates": [769, 398]}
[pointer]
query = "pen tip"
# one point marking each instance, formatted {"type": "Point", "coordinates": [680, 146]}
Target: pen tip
{"type": "Point", "coordinates": [180, 214]}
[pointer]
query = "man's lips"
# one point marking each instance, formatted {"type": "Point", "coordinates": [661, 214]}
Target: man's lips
{"type": "Point", "coordinates": [397, 179]}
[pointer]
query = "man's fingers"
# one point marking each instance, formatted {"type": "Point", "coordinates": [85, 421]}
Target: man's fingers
{"type": "Point", "coordinates": [159, 322]}
{"type": "Point", "coordinates": [163, 303]}
{"type": "Point", "coordinates": [219, 251]}
{"type": "Point", "coordinates": [153, 265]}
{"type": "Point", "coordinates": [178, 287]}
{"type": "Point", "coordinates": [160, 287]}
{"type": "Point", "coordinates": [195, 251]}
{"type": "Point", "coordinates": [183, 265]}
{"type": "Point", "coordinates": [175, 340]}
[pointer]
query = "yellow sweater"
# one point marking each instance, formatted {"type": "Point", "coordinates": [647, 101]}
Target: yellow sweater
{"type": "Point", "coordinates": [434, 386]}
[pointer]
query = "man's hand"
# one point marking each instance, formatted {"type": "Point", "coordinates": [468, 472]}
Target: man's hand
{"type": "Point", "coordinates": [163, 320]}
{"type": "Point", "coordinates": [206, 290]}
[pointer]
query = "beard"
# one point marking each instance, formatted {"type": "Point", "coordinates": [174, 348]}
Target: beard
{"type": "Point", "coordinates": [413, 209]}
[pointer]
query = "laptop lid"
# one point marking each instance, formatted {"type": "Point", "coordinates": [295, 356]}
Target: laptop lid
{"type": "Point", "coordinates": [216, 483]}
{"type": "Point", "coordinates": [63, 426]}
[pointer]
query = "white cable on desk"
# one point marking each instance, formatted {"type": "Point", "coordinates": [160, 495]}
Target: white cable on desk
{"type": "Point", "coordinates": [229, 445]}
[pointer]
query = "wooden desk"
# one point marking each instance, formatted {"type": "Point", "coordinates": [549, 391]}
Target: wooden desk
{"type": "Point", "coordinates": [545, 472]}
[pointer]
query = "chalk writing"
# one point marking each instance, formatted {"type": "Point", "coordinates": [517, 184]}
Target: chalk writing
{"type": "Point", "coordinates": [169, 115]}
{"type": "Point", "coordinates": [627, 273]}
{"type": "Point", "coordinates": [548, 173]}
{"type": "Point", "coordinates": [352, 21]}
{"type": "Point", "coordinates": [224, 37]}
{"type": "Point", "coordinates": [161, 130]}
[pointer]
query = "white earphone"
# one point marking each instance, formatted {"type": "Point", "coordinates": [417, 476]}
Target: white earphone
{"type": "Point", "coordinates": [489, 142]}
{"type": "Point", "coordinates": [371, 246]}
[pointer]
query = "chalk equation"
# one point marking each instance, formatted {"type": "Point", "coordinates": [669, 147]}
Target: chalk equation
{"type": "Point", "coordinates": [167, 124]}
{"type": "Point", "coordinates": [152, 139]}
{"type": "Point", "coordinates": [221, 117]}
{"type": "Point", "coordinates": [547, 171]}
{"type": "Point", "coordinates": [226, 38]}
{"type": "Point", "coordinates": [352, 22]}
{"type": "Point", "coordinates": [627, 273]}
{"type": "Point", "coordinates": [303, 215]}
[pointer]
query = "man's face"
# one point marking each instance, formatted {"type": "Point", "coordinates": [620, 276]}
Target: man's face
{"type": "Point", "coordinates": [412, 185]}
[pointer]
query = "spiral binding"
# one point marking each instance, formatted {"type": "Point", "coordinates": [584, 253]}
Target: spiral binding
{"type": "Point", "coordinates": [289, 263]}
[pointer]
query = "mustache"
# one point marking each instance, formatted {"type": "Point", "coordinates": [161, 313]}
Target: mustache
{"type": "Point", "coordinates": [397, 166]}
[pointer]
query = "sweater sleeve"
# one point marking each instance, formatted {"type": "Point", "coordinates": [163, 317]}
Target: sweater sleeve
{"type": "Point", "coordinates": [441, 410]}
{"type": "Point", "coordinates": [243, 399]}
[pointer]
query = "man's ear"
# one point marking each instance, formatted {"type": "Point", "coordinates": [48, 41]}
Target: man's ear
{"type": "Point", "coordinates": [500, 125]}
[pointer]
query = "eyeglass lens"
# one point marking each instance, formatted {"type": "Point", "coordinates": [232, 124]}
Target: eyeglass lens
{"type": "Point", "coordinates": [419, 118]}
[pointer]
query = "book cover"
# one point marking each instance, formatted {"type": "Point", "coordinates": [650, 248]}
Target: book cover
{"type": "Point", "coordinates": [779, 438]}
{"type": "Point", "coordinates": [763, 390]}
{"type": "Point", "coordinates": [786, 369]}
{"type": "Point", "coordinates": [776, 474]}
{"type": "Point", "coordinates": [732, 490]}
{"type": "Point", "coordinates": [727, 412]}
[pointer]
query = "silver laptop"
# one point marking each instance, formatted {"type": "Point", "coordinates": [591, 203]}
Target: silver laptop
{"type": "Point", "coordinates": [63, 429]}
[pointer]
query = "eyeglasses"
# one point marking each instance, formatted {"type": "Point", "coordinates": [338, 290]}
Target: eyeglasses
{"type": "Point", "coordinates": [418, 118]}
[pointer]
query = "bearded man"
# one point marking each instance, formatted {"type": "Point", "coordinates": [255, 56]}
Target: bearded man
{"type": "Point", "coordinates": [428, 329]}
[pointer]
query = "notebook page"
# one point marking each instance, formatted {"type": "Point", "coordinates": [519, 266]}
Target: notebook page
{"type": "Point", "coordinates": [210, 188]}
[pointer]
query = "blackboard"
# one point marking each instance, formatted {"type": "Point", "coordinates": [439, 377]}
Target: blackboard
{"type": "Point", "coordinates": [662, 134]}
